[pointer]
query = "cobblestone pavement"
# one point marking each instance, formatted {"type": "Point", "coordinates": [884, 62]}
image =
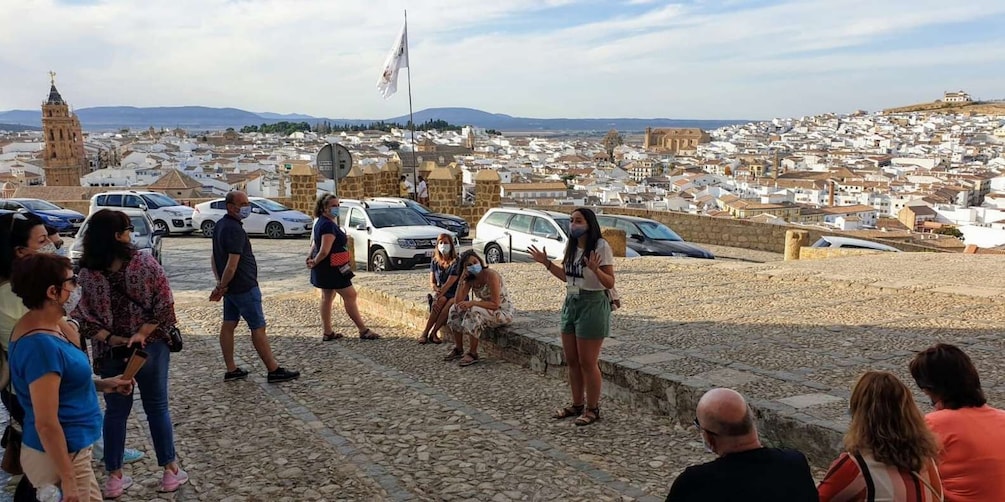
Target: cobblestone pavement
{"type": "Point", "coordinates": [388, 420]}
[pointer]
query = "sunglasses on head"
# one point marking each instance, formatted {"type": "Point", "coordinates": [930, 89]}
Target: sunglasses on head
{"type": "Point", "coordinates": [14, 217]}
{"type": "Point", "coordinates": [698, 425]}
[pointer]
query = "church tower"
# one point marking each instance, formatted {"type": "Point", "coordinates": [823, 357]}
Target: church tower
{"type": "Point", "coordinates": [64, 141]}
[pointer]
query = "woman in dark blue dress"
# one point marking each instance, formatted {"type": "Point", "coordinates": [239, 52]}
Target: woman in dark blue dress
{"type": "Point", "coordinates": [330, 269]}
{"type": "Point", "coordinates": [444, 272]}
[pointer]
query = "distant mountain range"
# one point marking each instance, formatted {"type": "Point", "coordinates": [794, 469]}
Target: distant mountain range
{"type": "Point", "coordinates": [18, 127]}
{"type": "Point", "coordinates": [205, 118]}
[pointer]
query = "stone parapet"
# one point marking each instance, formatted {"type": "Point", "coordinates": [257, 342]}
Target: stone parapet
{"type": "Point", "coordinates": [616, 239]}
{"type": "Point", "coordinates": [441, 190]}
{"type": "Point", "coordinates": [808, 253]}
{"type": "Point", "coordinates": [303, 188]}
{"type": "Point", "coordinates": [351, 187]}
{"type": "Point", "coordinates": [371, 181]}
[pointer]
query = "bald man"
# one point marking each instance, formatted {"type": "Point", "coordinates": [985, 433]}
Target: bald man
{"type": "Point", "coordinates": [745, 470]}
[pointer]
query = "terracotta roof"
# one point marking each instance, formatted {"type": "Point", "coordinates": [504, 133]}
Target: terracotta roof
{"type": "Point", "coordinates": [557, 185]}
{"type": "Point", "coordinates": [175, 180]}
{"type": "Point", "coordinates": [53, 193]}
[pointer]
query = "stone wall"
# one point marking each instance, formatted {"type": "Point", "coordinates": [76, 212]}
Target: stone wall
{"type": "Point", "coordinates": [808, 253]}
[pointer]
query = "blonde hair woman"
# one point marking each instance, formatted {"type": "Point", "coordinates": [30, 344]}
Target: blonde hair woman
{"type": "Point", "coordinates": [890, 453]}
{"type": "Point", "coordinates": [444, 272]}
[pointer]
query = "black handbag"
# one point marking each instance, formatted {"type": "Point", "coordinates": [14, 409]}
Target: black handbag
{"type": "Point", "coordinates": [175, 342]}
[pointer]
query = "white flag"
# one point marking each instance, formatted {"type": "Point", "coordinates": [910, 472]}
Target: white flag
{"type": "Point", "coordinates": [387, 84]}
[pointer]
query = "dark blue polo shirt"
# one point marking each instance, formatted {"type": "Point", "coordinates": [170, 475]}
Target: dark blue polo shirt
{"type": "Point", "coordinates": [230, 238]}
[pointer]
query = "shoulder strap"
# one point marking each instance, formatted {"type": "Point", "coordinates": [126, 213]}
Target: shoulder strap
{"type": "Point", "coordinates": [940, 496]}
{"type": "Point", "coordinates": [870, 485]}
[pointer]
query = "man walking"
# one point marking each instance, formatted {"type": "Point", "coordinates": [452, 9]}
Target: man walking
{"type": "Point", "coordinates": [237, 285]}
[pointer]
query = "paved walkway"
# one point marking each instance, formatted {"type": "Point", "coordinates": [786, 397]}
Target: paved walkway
{"type": "Point", "coordinates": [388, 420]}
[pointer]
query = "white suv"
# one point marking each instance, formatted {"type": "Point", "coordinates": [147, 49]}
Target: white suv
{"type": "Point", "coordinates": [504, 234]}
{"type": "Point", "coordinates": [167, 214]}
{"type": "Point", "coordinates": [389, 235]}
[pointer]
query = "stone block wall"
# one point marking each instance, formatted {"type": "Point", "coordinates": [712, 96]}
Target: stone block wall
{"type": "Point", "coordinates": [371, 181]}
{"type": "Point", "coordinates": [616, 239]}
{"type": "Point", "coordinates": [351, 187]}
{"type": "Point", "coordinates": [808, 253]}
{"type": "Point", "coordinates": [303, 191]}
{"type": "Point", "coordinates": [441, 185]}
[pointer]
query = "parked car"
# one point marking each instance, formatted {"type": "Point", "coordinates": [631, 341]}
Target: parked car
{"type": "Point", "coordinates": [652, 238]}
{"type": "Point", "coordinates": [456, 224]}
{"type": "Point", "coordinates": [504, 234]}
{"type": "Point", "coordinates": [167, 214]}
{"type": "Point", "coordinates": [146, 238]}
{"type": "Point", "coordinates": [830, 241]}
{"type": "Point", "coordinates": [268, 218]}
{"type": "Point", "coordinates": [66, 221]}
{"type": "Point", "coordinates": [389, 235]}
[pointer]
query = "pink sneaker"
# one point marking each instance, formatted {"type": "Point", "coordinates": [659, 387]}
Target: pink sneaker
{"type": "Point", "coordinates": [172, 480]}
{"type": "Point", "coordinates": [114, 486]}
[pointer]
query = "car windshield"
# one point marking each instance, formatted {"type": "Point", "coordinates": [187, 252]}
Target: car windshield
{"type": "Point", "coordinates": [395, 217]}
{"type": "Point", "coordinates": [39, 205]}
{"type": "Point", "coordinates": [564, 223]}
{"type": "Point", "coordinates": [658, 231]}
{"type": "Point", "coordinates": [157, 201]}
{"type": "Point", "coordinates": [417, 207]}
{"type": "Point", "coordinates": [271, 206]}
{"type": "Point", "coordinates": [140, 226]}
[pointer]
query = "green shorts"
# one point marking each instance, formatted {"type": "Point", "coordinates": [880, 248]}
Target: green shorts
{"type": "Point", "coordinates": [587, 315]}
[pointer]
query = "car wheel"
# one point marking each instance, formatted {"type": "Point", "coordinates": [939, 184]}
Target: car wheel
{"type": "Point", "coordinates": [494, 254]}
{"type": "Point", "coordinates": [379, 262]}
{"type": "Point", "coordinates": [207, 228]}
{"type": "Point", "coordinates": [274, 231]}
{"type": "Point", "coordinates": [162, 226]}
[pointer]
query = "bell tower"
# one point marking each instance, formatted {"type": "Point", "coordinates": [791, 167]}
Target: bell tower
{"type": "Point", "coordinates": [64, 141]}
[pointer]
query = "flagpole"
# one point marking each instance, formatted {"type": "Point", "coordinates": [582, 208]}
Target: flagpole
{"type": "Point", "coordinates": [411, 119]}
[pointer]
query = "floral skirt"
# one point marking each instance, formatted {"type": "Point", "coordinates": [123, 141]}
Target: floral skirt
{"type": "Point", "coordinates": [473, 320]}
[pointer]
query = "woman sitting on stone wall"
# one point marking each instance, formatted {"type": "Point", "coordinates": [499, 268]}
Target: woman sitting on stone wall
{"type": "Point", "coordinates": [490, 307]}
{"type": "Point", "coordinates": [444, 272]}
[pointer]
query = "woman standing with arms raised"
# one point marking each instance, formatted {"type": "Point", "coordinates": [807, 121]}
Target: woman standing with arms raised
{"type": "Point", "coordinates": [330, 272]}
{"type": "Point", "coordinates": [127, 302]}
{"type": "Point", "coordinates": [588, 271]}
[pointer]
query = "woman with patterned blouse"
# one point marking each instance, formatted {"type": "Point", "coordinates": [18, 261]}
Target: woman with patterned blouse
{"type": "Point", "coordinates": [489, 307]}
{"type": "Point", "coordinates": [127, 304]}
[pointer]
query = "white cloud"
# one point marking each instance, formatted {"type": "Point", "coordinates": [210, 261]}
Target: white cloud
{"type": "Point", "coordinates": [322, 57]}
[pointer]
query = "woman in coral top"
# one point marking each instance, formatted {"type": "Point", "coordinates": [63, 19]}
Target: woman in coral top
{"type": "Point", "coordinates": [890, 453]}
{"type": "Point", "coordinates": [972, 434]}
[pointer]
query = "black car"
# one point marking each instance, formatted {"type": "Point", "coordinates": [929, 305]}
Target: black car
{"type": "Point", "coordinates": [652, 238]}
{"type": "Point", "coordinates": [455, 224]}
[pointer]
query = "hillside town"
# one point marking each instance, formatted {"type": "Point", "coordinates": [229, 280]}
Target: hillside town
{"type": "Point", "coordinates": [936, 178]}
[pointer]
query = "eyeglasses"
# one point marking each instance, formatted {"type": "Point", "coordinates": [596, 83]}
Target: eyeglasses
{"type": "Point", "coordinates": [130, 228]}
{"type": "Point", "coordinates": [698, 425]}
{"type": "Point", "coordinates": [74, 279]}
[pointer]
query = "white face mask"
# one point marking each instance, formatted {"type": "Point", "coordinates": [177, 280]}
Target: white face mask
{"type": "Point", "coordinates": [444, 248]}
{"type": "Point", "coordinates": [48, 248]}
{"type": "Point", "coordinates": [72, 300]}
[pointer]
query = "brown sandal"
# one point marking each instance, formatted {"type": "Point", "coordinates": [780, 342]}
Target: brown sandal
{"type": "Point", "coordinates": [424, 339]}
{"type": "Point", "coordinates": [468, 360]}
{"type": "Point", "coordinates": [589, 416]}
{"type": "Point", "coordinates": [573, 410]}
{"type": "Point", "coordinates": [369, 334]}
{"type": "Point", "coordinates": [327, 337]}
{"type": "Point", "coordinates": [454, 354]}
{"type": "Point", "coordinates": [435, 339]}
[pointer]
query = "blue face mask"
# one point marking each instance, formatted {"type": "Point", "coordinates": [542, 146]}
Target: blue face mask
{"type": "Point", "coordinates": [577, 231]}
{"type": "Point", "coordinates": [333, 211]}
{"type": "Point", "coordinates": [474, 269]}
{"type": "Point", "coordinates": [245, 212]}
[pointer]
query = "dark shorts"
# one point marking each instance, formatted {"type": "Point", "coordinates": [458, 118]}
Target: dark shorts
{"type": "Point", "coordinates": [586, 315]}
{"type": "Point", "coordinates": [247, 305]}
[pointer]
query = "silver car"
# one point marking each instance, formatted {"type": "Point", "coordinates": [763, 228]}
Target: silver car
{"type": "Point", "coordinates": [145, 237]}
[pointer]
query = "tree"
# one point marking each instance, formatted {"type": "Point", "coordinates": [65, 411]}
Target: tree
{"type": "Point", "coordinates": [949, 230]}
{"type": "Point", "coordinates": [612, 141]}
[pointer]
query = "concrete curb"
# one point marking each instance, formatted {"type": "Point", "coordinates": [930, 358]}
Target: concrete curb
{"type": "Point", "coordinates": [629, 381]}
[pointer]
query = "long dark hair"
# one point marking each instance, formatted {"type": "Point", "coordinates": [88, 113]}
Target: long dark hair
{"type": "Point", "coordinates": [465, 276]}
{"type": "Point", "coordinates": [15, 230]}
{"type": "Point", "coordinates": [949, 375]}
{"type": "Point", "coordinates": [101, 248]}
{"type": "Point", "coordinates": [592, 237]}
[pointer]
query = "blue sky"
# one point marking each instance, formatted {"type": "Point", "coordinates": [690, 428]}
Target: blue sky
{"type": "Point", "coordinates": [535, 58]}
